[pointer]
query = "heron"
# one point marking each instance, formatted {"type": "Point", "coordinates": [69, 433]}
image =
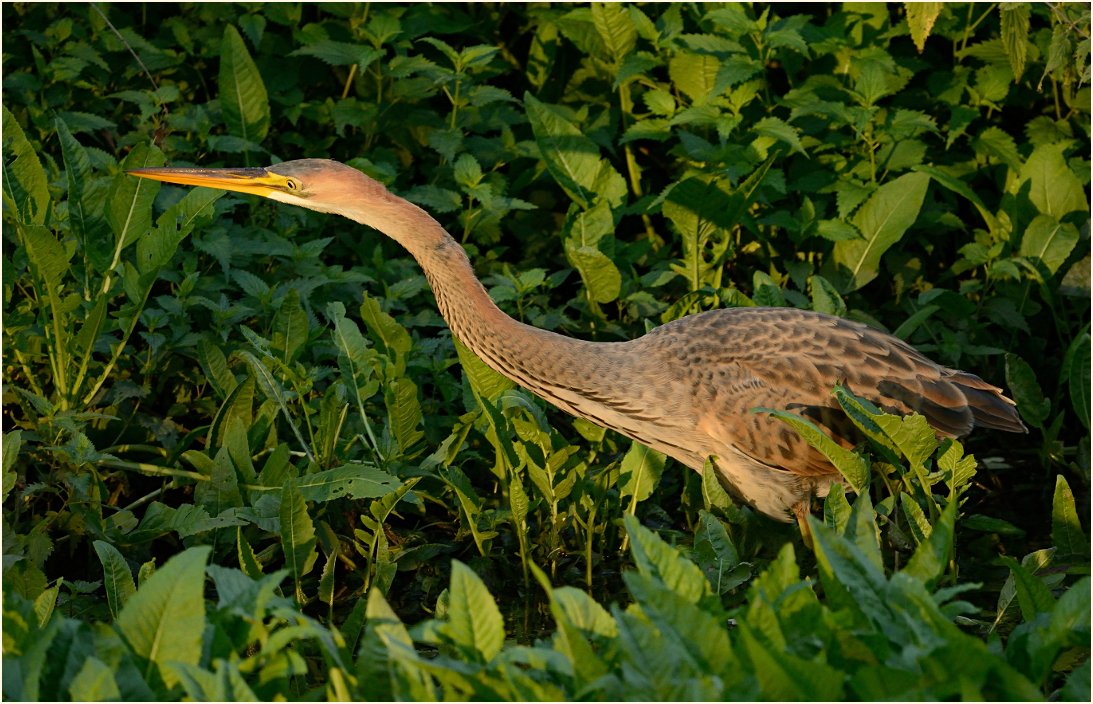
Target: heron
{"type": "Point", "coordinates": [685, 388]}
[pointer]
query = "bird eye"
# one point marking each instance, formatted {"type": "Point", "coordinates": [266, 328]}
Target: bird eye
{"type": "Point", "coordinates": [293, 185]}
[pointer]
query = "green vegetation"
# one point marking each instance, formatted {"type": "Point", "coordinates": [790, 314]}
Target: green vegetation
{"type": "Point", "coordinates": [244, 458]}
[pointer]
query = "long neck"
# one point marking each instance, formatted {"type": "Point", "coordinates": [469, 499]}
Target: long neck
{"type": "Point", "coordinates": [548, 364]}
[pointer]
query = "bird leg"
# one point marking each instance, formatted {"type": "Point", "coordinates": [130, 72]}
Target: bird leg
{"type": "Point", "coordinates": [801, 511]}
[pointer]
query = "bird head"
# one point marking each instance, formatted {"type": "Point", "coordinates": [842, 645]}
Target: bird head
{"type": "Point", "coordinates": [318, 184]}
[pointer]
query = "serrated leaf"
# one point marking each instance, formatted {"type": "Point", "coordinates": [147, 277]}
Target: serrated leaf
{"type": "Point", "coordinates": [777, 129]}
{"type": "Point", "coordinates": [290, 328]}
{"type": "Point", "coordinates": [600, 275]}
{"type": "Point", "coordinates": [825, 297]}
{"type": "Point", "coordinates": [694, 74]}
{"type": "Point", "coordinates": [615, 27]}
{"type": "Point", "coordinates": [243, 97]}
{"type": "Point", "coordinates": [485, 382]}
{"type": "Point", "coordinates": [25, 184]}
{"type": "Point", "coordinates": [920, 20]}
{"type": "Point", "coordinates": [215, 365]}
{"type": "Point", "coordinates": [164, 620]}
{"type": "Point", "coordinates": [238, 406]}
{"type": "Point", "coordinates": [656, 558]}
{"type": "Point", "coordinates": [931, 557]}
{"type": "Point", "coordinates": [836, 509]}
{"type": "Point", "coordinates": [1015, 29]}
{"type": "Point", "coordinates": [403, 412]}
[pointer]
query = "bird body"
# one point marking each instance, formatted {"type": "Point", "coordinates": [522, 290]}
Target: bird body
{"type": "Point", "coordinates": [686, 388]}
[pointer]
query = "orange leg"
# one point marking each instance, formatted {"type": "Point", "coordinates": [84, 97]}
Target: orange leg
{"type": "Point", "coordinates": [801, 511]}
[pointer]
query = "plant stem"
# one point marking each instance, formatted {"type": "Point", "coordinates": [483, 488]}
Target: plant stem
{"type": "Point", "coordinates": [349, 81]}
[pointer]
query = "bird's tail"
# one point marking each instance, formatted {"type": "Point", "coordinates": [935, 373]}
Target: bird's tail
{"type": "Point", "coordinates": [989, 407]}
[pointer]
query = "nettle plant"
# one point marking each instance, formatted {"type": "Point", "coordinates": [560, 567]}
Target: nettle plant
{"type": "Point", "coordinates": [242, 449]}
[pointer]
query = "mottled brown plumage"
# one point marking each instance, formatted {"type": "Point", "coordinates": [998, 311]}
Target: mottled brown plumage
{"type": "Point", "coordinates": [687, 387]}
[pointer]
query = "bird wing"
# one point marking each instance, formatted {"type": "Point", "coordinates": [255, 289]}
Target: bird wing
{"type": "Point", "coordinates": [738, 359]}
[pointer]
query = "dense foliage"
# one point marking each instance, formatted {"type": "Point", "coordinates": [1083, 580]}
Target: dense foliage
{"type": "Point", "coordinates": [242, 448]}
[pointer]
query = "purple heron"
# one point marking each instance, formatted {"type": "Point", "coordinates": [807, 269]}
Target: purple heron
{"type": "Point", "coordinates": [685, 388]}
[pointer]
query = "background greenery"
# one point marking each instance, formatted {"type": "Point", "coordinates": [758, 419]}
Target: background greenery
{"type": "Point", "coordinates": [241, 447]}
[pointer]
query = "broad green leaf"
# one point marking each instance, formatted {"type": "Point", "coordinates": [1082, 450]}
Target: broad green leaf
{"type": "Point", "coordinates": [584, 612]}
{"type": "Point", "coordinates": [289, 328]}
{"type": "Point", "coordinates": [355, 481]}
{"type": "Point", "coordinates": [959, 469]}
{"type": "Point", "coordinates": [850, 578]}
{"type": "Point", "coordinates": [1022, 383]}
{"type": "Point", "coordinates": [931, 557]}
{"type": "Point", "coordinates": [1066, 530]}
{"type": "Point", "coordinates": [862, 529]}
{"type": "Point", "coordinates": [94, 683]}
{"type": "Point", "coordinates": [382, 508]}
{"type": "Point", "coordinates": [541, 56]}
{"type": "Point", "coordinates": [215, 365]}
{"type": "Point", "coordinates": [473, 616]}
{"type": "Point", "coordinates": [86, 195]}
{"type": "Point", "coordinates": [568, 640]}
{"type": "Point", "coordinates": [389, 336]}
{"type": "Point", "coordinates": [1033, 596]}
{"type": "Point", "coordinates": [888, 213]}
{"type": "Point", "coordinates": [765, 292]}
{"type": "Point", "coordinates": [248, 562]}
{"type": "Point", "coordinates": [403, 412]}
{"type": "Point", "coordinates": [920, 20]}
{"type": "Point", "coordinates": [702, 211]}
{"type": "Point", "coordinates": [997, 143]}
{"type": "Point", "coordinates": [117, 578]}
{"type": "Point", "coordinates": [658, 559]}
{"type": "Point", "coordinates": [917, 523]}
{"type": "Point", "coordinates": [243, 96]}
{"type": "Point", "coordinates": [714, 496]}
{"type": "Point", "coordinates": [485, 382]}
{"type": "Point", "coordinates": [863, 414]}
{"type": "Point", "coordinates": [164, 620]}
{"type": "Point", "coordinates": [1049, 241]}
{"type": "Point", "coordinates": [615, 27]}
{"type": "Point", "coordinates": [777, 129]}
{"type": "Point", "coordinates": [297, 536]}
{"type": "Point", "coordinates": [129, 202]}
{"type": "Point", "coordinates": [716, 555]}
{"type": "Point", "coordinates": [825, 297]}
{"type": "Point", "coordinates": [572, 158]}
{"type": "Point", "coordinates": [853, 467]}
{"type": "Point", "coordinates": [1053, 187]}
{"type": "Point", "coordinates": [640, 472]}
{"type": "Point", "coordinates": [600, 275]}
{"type": "Point", "coordinates": [25, 187]}
{"type": "Point", "coordinates": [694, 74]}
{"type": "Point", "coordinates": [836, 509]}
{"type": "Point", "coordinates": [156, 247]}
{"type": "Point", "coordinates": [221, 492]}
{"type": "Point", "coordinates": [908, 327]}
{"type": "Point", "coordinates": [912, 435]}
{"type": "Point", "coordinates": [237, 407]}
{"type": "Point", "coordinates": [12, 442]}
{"type": "Point", "coordinates": [786, 677]}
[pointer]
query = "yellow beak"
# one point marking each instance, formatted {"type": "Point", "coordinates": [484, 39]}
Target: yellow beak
{"type": "Point", "coordinates": [256, 181]}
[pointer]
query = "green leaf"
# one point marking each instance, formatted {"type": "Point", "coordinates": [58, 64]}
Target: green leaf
{"type": "Point", "coordinates": [615, 28]}
{"type": "Point", "coordinates": [1049, 241]}
{"type": "Point", "coordinates": [25, 186]}
{"type": "Point", "coordinates": [920, 20]}
{"type": "Point", "coordinates": [600, 275]}
{"type": "Point", "coordinates": [836, 509]}
{"type": "Point", "coordinates": [236, 407]}
{"type": "Point", "coordinates": [164, 620]}
{"type": "Point", "coordinates": [640, 472]}
{"type": "Point", "coordinates": [297, 536]}
{"type": "Point", "coordinates": [248, 562]}
{"type": "Point", "coordinates": [1033, 596]}
{"type": "Point", "coordinates": [1015, 29]}
{"type": "Point", "coordinates": [289, 328]}
{"type": "Point", "coordinates": [716, 556]}
{"type": "Point", "coordinates": [355, 481]}
{"type": "Point", "coordinates": [12, 442]}
{"type": "Point", "coordinates": [786, 677]}
{"type": "Point", "coordinates": [996, 143]}
{"type": "Point", "coordinates": [960, 188]}
{"type": "Point", "coordinates": [931, 557]}
{"type": "Point", "coordinates": [1053, 187]}
{"type": "Point", "coordinates": [129, 202]}
{"type": "Point", "coordinates": [1066, 530]}
{"type": "Point", "coordinates": [243, 96]}
{"type": "Point", "coordinates": [825, 297]}
{"type": "Point", "coordinates": [215, 365]}
{"type": "Point", "coordinates": [777, 129]}
{"type": "Point", "coordinates": [853, 467]}
{"type": "Point", "coordinates": [1026, 391]}
{"type": "Point", "coordinates": [912, 434]}
{"type": "Point", "coordinates": [694, 74]}
{"type": "Point", "coordinates": [658, 559]}
{"type": "Point", "coordinates": [862, 529]}
{"type": "Point", "coordinates": [572, 158]}
{"type": "Point", "coordinates": [908, 327]}
{"type": "Point", "coordinates": [389, 336]}
{"type": "Point", "coordinates": [888, 213]}
{"type": "Point", "coordinates": [86, 195]}
{"type": "Point", "coordinates": [485, 382]}
{"type": "Point", "coordinates": [403, 412]}
{"type": "Point", "coordinates": [117, 578]}
{"type": "Point", "coordinates": [473, 616]}
{"type": "Point", "coordinates": [917, 523]}
{"type": "Point", "coordinates": [94, 683]}
{"type": "Point", "coordinates": [156, 247]}
{"type": "Point", "coordinates": [584, 612]}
